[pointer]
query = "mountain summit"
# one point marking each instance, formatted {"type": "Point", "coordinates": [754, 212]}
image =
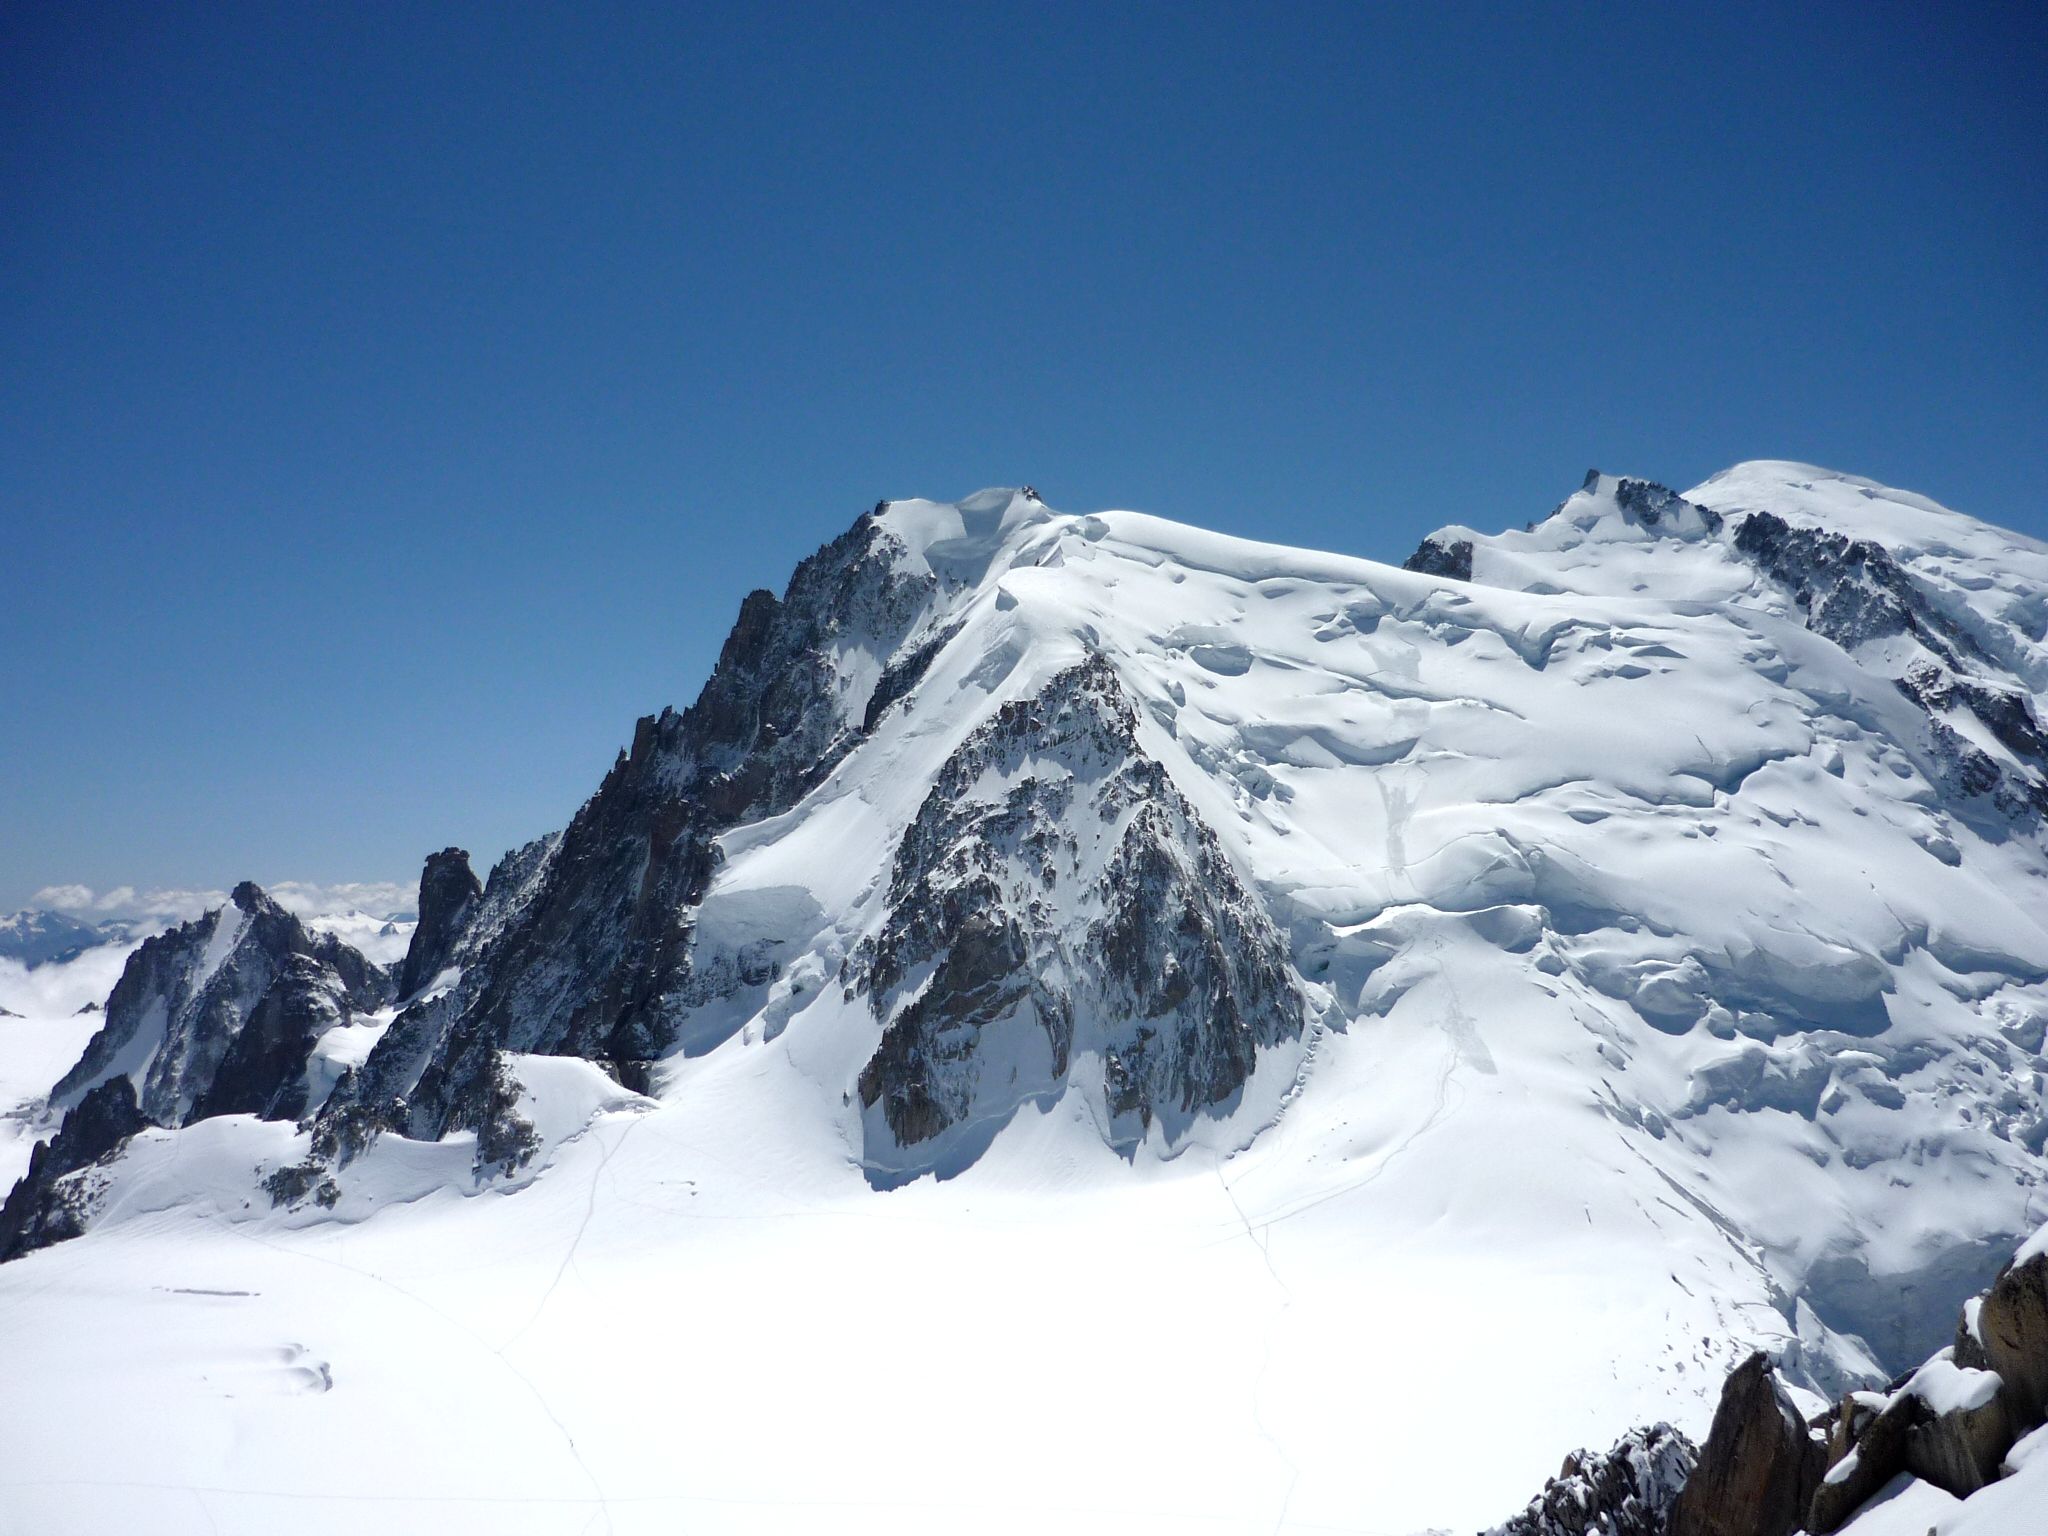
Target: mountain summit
{"type": "Point", "coordinates": [1641, 913]}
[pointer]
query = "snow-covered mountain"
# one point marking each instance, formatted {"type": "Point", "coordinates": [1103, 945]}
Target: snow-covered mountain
{"type": "Point", "coordinates": [36, 937]}
{"type": "Point", "coordinates": [1567, 963]}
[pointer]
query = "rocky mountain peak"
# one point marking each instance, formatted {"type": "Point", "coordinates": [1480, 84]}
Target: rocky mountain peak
{"type": "Point", "coordinates": [224, 1010]}
{"type": "Point", "coordinates": [449, 892]}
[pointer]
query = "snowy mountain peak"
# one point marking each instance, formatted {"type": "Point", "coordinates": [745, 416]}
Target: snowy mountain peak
{"type": "Point", "coordinates": [40, 937]}
{"type": "Point", "coordinates": [1642, 910]}
{"type": "Point", "coordinates": [220, 1015]}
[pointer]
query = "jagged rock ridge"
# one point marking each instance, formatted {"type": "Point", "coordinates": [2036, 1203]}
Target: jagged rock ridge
{"type": "Point", "coordinates": [589, 945]}
{"type": "Point", "coordinates": [1627, 1491]}
{"type": "Point", "coordinates": [218, 1015]}
{"type": "Point", "coordinates": [1054, 893]}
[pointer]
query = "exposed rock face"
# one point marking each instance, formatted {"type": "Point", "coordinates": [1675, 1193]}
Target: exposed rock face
{"type": "Point", "coordinates": [421, 1076]}
{"type": "Point", "coordinates": [1759, 1466]}
{"type": "Point", "coordinates": [1866, 1451]}
{"type": "Point", "coordinates": [1959, 1444]}
{"type": "Point", "coordinates": [1851, 590]}
{"type": "Point", "coordinates": [1765, 1472]}
{"type": "Point", "coordinates": [263, 1071]}
{"type": "Point", "coordinates": [2012, 1323]}
{"type": "Point", "coordinates": [1628, 1491]}
{"type": "Point", "coordinates": [1649, 503]}
{"type": "Point", "coordinates": [176, 1020]}
{"type": "Point", "coordinates": [48, 1204]}
{"type": "Point", "coordinates": [1057, 894]}
{"type": "Point", "coordinates": [594, 956]}
{"type": "Point", "coordinates": [1854, 593]}
{"type": "Point", "coordinates": [449, 892]}
{"type": "Point", "coordinates": [1439, 556]}
{"type": "Point", "coordinates": [1951, 1422]}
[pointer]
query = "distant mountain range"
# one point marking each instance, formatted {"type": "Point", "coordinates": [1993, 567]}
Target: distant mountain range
{"type": "Point", "coordinates": [37, 937]}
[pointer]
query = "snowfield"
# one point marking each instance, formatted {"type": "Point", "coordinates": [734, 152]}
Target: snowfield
{"type": "Point", "coordinates": [1671, 981]}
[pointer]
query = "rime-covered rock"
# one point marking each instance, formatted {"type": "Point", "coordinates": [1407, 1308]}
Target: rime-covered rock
{"type": "Point", "coordinates": [1626, 1491]}
{"type": "Point", "coordinates": [1439, 556]}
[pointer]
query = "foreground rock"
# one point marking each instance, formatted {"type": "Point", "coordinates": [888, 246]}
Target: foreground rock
{"type": "Point", "coordinates": [1759, 1466]}
{"type": "Point", "coordinates": [2010, 1329]}
{"type": "Point", "coordinates": [1626, 1492]}
{"type": "Point", "coordinates": [1955, 1423]}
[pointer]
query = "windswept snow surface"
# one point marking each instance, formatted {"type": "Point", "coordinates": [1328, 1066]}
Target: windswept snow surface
{"type": "Point", "coordinates": [1659, 1004]}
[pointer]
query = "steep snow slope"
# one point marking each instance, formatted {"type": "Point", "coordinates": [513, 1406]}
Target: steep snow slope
{"type": "Point", "coordinates": [1335, 995]}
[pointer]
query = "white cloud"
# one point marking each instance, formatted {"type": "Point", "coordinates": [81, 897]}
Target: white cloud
{"type": "Point", "coordinates": [379, 898]}
{"type": "Point", "coordinates": [163, 907]}
{"type": "Point", "coordinates": [59, 991]}
{"type": "Point", "coordinates": [63, 898]}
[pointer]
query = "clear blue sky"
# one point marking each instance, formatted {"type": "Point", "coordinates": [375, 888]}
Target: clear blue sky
{"type": "Point", "coordinates": [397, 401]}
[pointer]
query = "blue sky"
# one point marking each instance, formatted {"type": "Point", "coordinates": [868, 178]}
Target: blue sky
{"type": "Point", "coordinates": [398, 401]}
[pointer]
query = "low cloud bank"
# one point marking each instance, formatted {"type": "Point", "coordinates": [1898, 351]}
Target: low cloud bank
{"type": "Point", "coordinates": [379, 898]}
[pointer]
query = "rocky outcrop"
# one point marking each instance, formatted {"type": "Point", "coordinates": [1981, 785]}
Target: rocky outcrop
{"type": "Point", "coordinates": [1650, 504]}
{"type": "Point", "coordinates": [1866, 1450]}
{"type": "Point", "coordinates": [1958, 1438]}
{"type": "Point", "coordinates": [1759, 1465]}
{"type": "Point", "coordinates": [432, 1067]}
{"type": "Point", "coordinates": [1951, 1422]}
{"type": "Point", "coordinates": [1766, 1471]}
{"type": "Point", "coordinates": [1852, 591]}
{"type": "Point", "coordinates": [1947, 1424]}
{"type": "Point", "coordinates": [219, 1016]}
{"type": "Point", "coordinates": [263, 1071]}
{"type": "Point", "coordinates": [449, 893]}
{"type": "Point", "coordinates": [50, 1202]}
{"type": "Point", "coordinates": [176, 1020]}
{"type": "Point", "coordinates": [2011, 1324]}
{"type": "Point", "coordinates": [1628, 1491]}
{"type": "Point", "coordinates": [1056, 894]}
{"type": "Point", "coordinates": [1440, 556]}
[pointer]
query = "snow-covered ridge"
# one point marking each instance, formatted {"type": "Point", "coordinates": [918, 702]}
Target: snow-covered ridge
{"type": "Point", "coordinates": [1648, 902]}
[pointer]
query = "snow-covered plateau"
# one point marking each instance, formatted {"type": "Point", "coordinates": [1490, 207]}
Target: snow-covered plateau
{"type": "Point", "coordinates": [1089, 1024]}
